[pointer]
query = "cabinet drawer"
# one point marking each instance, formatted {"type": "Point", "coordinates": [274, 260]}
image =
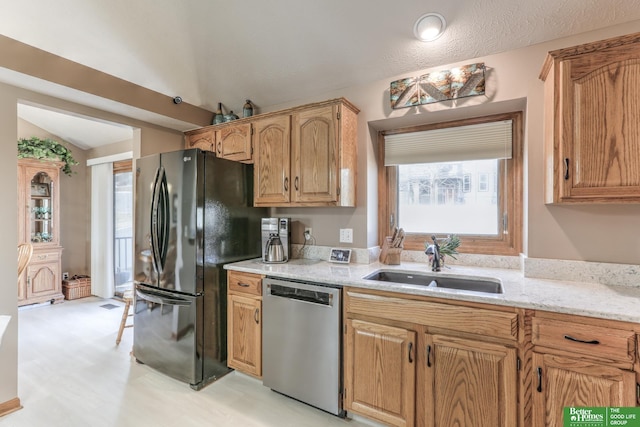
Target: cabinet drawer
{"type": "Point", "coordinates": [45, 257]}
{"type": "Point", "coordinates": [246, 283]}
{"type": "Point", "coordinates": [587, 340]}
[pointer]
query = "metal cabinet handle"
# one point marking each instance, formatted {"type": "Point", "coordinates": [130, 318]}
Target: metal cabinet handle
{"type": "Point", "coordinates": [566, 168]}
{"type": "Point", "coordinates": [410, 351]}
{"type": "Point", "coordinates": [539, 371]}
{"type": "Point", "coordinates": [219, 147]}
{"type": "Point", "coordinates": [256, 316]}
{"type": "Point", "coordinates": [286, 184]}
{"type": "Point", "coordinates": [570, 338]}
{"type": "Point", "coordinates": [244, 285]}
{"type": "Point", "coordinates": [295, 183]}
{"type": "Point", "coordinates": [428, 356]}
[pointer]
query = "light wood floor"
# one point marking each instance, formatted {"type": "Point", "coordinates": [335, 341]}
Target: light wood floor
{"type": "Point", "coordinates": [72, 374]}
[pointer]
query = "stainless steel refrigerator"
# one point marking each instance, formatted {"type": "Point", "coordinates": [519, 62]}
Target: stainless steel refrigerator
{"type": "Point", "coordinates": [193, 214]}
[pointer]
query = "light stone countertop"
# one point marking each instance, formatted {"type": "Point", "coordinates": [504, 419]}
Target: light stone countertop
{"type": "Point", "coordinates": [580, 298]}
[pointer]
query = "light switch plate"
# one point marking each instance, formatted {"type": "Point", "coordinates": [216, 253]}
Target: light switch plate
{"type": "Point", "coordinates": [346, 235]}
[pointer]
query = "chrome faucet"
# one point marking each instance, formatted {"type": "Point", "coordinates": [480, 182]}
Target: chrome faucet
{"type": "Point", "coordinates": [435, 251]}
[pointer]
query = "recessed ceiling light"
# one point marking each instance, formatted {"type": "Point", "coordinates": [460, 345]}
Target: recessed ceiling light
{"type": "Point", "coordinates": [429, 27]}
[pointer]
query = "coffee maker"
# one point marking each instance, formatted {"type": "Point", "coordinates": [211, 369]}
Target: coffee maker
{"type": "Point", "coordinates": [276, 237]}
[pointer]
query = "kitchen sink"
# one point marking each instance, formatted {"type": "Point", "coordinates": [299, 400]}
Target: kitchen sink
{"type": "Point", "coordinates": [436, 281]}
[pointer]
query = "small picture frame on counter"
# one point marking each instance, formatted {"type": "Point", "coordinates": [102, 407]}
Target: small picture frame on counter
{"type": "Point", "coordinates": [340, 255]}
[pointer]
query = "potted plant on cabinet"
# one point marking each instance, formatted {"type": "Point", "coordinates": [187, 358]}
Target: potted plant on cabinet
{"type": "Point", "coordinates": [37, 148]}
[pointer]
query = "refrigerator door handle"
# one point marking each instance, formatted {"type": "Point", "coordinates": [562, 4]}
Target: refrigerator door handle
{"type": "Point", "coordinates": [156, 220]}
{"type": "Point", "coordinates": [161, 299]}
{"type": "Point", "coordinates": [164, 224]}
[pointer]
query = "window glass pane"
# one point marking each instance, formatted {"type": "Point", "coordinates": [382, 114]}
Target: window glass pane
{"type": "Point", "coordinates": [442, 198]}
{"type": "Point", "coordinates": [123, 228]}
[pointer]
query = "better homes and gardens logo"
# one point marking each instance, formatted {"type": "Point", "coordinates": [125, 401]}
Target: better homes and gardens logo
{"type": "Point", "coordinates": [601, 417]}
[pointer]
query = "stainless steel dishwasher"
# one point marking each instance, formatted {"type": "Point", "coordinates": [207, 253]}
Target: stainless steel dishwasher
{"type": "Point", "coordinates": [302, 343]}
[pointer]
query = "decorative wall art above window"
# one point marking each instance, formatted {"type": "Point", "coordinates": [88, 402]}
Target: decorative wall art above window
{"type": "Point", "coordinates": [444, 85]}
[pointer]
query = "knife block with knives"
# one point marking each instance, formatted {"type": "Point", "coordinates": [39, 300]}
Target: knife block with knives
{"type": "Point", "coordinates": [392, 247]}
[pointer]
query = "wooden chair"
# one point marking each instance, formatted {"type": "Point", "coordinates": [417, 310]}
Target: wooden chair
{"type": "Point", "coordinates": [127, 297]}
{"type": "Point", "coordinates": [25, 250]}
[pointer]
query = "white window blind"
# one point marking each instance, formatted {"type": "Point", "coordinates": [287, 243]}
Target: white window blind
{"type": "Point", "coordinates": [472, 142]}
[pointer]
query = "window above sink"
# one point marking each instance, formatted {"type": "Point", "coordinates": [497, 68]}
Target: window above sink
{"type": "Point", "coordinates": [477, 196]}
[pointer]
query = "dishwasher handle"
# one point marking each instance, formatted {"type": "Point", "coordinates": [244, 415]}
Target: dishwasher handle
{"type": "Point", "coordinates": [300, 294]}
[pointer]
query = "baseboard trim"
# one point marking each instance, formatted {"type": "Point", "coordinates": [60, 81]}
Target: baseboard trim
{"type": "Point", "coordinates": [10, 406]}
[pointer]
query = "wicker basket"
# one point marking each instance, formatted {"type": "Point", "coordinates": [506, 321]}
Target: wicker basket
{"type": "Point", "coordinates": [76, 287]}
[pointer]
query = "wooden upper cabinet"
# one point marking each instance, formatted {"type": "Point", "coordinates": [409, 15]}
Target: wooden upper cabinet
{"type": "Point", "coordinates": [303, 156]}
{"type": "Point", "coordinates": [203, 139]}
{"type": "Point", "coordinates": [323, 156]}
{"type": "Point", "coordinates": [230, 141]}
{"type": "Point", "coordinates": [272, 139]}
{"type": "Point", "coordinates": [592, 131]}
{"type": "Point", "coordinates": [314, 150]}
{"type": "Point", "coordinates": [233, 142]}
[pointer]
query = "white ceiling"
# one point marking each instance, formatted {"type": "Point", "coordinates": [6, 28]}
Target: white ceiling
{"type": "Point", "coordinates": [83, 132]}
{"type": "Point", "coordinates": [276, 51]}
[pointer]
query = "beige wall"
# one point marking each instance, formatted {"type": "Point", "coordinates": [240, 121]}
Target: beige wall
{"type": "Point", "coordinates": [110, 150]}
{"type": "Point", "coordinates": [605, 233]}
{"type": "Point", "coordinates": [8, 255]}
{"type": "Point", "coordinates": [75, 199]}
{"type": "Point", "coordinates": [74, 204]}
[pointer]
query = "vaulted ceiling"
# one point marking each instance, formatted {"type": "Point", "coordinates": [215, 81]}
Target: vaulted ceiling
{"type": "Point", "coordinates": [277, 51]}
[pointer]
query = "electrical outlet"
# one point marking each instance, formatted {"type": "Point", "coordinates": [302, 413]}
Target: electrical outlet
{"type": "Point", "coordinates": [308, 233]}
{"type": "Point", "coordinates": [65, 275]}
{"type": "Point", "coordinates": [346, 235]}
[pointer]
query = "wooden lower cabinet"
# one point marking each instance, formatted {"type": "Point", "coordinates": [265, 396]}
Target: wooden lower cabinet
{"type": "Point", "coordinates": [561, 381]}
{"type": "Point", "coordinates": [245, 334]}
{"type": "Point", "coordinates": [580, 361]}
{"type": "Point", "coordinates": [380, 372]}
{"type": "Point", "coordinates": [42, 280]}
{"type": "Point", "coordinates": [244, 322]}
{"type": "Point", "coordinates": [469, 383]}
{"type": "Point", "coordinates": [415, 362]}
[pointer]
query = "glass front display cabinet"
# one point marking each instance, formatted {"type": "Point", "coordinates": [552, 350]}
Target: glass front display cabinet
{"type": "Point", "coordinates": [39, 224]}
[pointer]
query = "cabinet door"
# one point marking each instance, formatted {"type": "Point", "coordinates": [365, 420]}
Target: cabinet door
{"type": "Point", "coordinates": [469, 383]}
{"type": "Point", "coordinates": [272, 138]}
{"type": "Point", "coordinates": [245, 334]}
{"type": "Point", "coordinates": [234, 143]}
{"type": "Point", "coordinates": [560, 382]}
{"type": "Point", "coordinates": [42, 204]}
{"type": "Point", "coordinates": [604, 142]}
{"type": "Point", "coordinates": [314, 153]}
{"type": "Point", "coordinates": [380, 372]}
{"type": "Point", "coordinates": [202, 139]}
{"type": "Point", "coordinates": [600, 133]}
{"type": "Point", "coordinates": [43, 280]}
